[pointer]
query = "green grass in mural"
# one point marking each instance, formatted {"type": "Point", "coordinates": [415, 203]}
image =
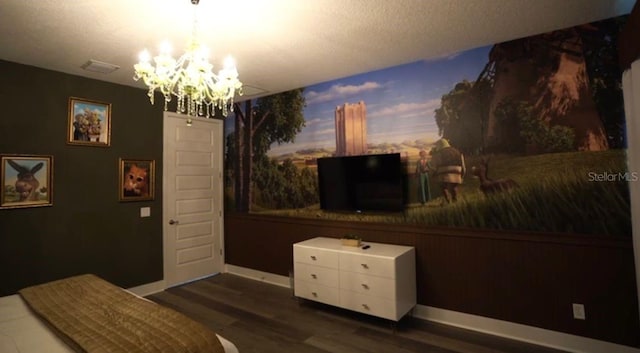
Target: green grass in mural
{"type": "Point", "coordinates": [575, 192]}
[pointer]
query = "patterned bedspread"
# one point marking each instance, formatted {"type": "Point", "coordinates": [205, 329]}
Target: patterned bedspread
{"type": "Point", "coordinates": [93, 315]}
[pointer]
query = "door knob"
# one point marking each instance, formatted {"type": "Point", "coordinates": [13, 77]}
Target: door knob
{"type": "Point", "coordinates": [172, 222]}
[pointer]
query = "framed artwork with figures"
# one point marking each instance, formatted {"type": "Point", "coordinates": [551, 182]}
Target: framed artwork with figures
{"type": "Point", "coordinates": [89, 123]}
{"type": "Point", "coordinates": [26, 181]}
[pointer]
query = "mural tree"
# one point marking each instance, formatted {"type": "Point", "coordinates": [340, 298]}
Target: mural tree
{"type": "Point", "coordinates": [605, 77]}
{"type": "Point", "coordinates": [462, 112]}
{"type": "Point", "coordinates": [536, 135]}
{"type": "Point", "coordinates": [273, 119]}
{"type": "Point", "coordinates": [283, 185]}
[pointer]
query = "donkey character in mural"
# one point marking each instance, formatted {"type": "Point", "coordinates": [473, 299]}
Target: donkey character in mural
{"type": "Point", "coordinates": [26, 184]}
{"type": "Point", "coordinates": [448, 168]}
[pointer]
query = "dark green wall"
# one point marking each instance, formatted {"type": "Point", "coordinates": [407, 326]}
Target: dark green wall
{"type": "Point", "coordinates": [87, 230]}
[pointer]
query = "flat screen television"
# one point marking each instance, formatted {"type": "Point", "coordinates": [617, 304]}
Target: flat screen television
{"type": "Point", "coordinates": [372, 182]}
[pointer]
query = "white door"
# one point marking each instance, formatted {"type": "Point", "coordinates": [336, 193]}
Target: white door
{"type": "Point", "coordinates": [192, 198]}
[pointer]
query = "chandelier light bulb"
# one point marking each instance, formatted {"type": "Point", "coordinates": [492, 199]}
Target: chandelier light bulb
{"type": "Point", "coordinates": [144, 56]}
{"type": "Point", "coordinates": [165, 48]}
{"type": "Point", "coordinates": [203, 52]}
{"type": "Point", "coordinates": [229, 63]}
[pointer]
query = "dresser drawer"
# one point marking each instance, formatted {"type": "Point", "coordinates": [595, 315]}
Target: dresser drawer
{"type": "Point", "coordinates": [315, 256]}
{"type": "Point", "coordinates": [316, 292]}
{"type": "Point", "coordinates": [368, 304]}
{"type": "Point", "coordinates": [316, 274]}
{"type": "Point", "coordinates": [369, 285]}
{"type": "Point", "coordinates": [367, 264]}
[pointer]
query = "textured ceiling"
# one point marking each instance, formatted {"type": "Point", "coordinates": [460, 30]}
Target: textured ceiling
{"type": "Point", "coordinates": [277, 44]}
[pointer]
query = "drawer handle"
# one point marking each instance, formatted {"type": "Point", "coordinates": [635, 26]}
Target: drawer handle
{"type": "Point", "coordinates": [364, 266]}
{"type": "Point", "coordinates": [313, 257]}
{"type": "Point", "coordinates": [365, 286]}
{"type": "Point", "coordinates": [365, 306]}
{"type": "Point", "coordinates": [314, 294]}
{"type": "Point", "coordinates": [313, 275]}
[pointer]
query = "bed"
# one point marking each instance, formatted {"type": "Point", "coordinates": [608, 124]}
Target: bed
{"type": "Point", "coordinates": [88, 314]}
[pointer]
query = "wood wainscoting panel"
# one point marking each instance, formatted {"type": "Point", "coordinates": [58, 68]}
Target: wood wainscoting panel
{"type": "Point", "coordinates": [527, 278]}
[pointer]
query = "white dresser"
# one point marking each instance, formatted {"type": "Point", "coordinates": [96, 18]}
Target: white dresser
{"type": "Point", "coordinates": [379, 280]}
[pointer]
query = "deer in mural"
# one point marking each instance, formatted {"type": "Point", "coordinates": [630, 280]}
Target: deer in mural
{"type": "Point", "coordinates": [490, 186]}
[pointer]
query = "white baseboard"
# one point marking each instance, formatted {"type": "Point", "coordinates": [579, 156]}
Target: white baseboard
{"type": "Point", "coordinates": [271, 278]}
{"type": "Point", "coordinates": [506, 329]}
{"type": "Point", "coordinates": [159, 286]}
{"type": "Point", "coordinates": [511, 330]}
{"type": "Point", "coordinates": [148, 289]}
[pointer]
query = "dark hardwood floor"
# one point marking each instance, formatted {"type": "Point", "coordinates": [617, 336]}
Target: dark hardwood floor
{"type": "Point", "coordinates": [264, 318]}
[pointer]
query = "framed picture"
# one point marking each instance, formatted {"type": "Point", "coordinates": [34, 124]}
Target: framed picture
{"type": "Point", "coordinates": [136, 179]}
{"type": "Point", "coordinates": [27, 181]}
{"type": "Point", "coordinates": [89, 123]}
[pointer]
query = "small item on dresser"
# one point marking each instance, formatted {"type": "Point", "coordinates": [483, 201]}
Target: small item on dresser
{"type": "Point", "coordinates": [350, 240]}
{"type": "Point", "coordinates": [366, 247]}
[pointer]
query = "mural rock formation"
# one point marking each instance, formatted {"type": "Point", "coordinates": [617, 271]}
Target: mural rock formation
{"type": "Point", "coordinates": [549, 73]}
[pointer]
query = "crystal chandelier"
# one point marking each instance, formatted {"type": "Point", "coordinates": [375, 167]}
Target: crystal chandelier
{"type": "Point", "coordinates": [190, 78]}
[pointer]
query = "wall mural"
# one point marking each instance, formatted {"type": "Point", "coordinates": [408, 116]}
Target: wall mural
{"type": "Point", "coordinates": [523, 135]}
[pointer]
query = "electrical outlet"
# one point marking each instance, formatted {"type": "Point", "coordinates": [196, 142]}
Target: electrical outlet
{"type": "Point", "coordinates": [578, 311]}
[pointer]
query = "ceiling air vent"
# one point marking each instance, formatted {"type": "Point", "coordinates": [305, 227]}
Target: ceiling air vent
{"type": "Point", "coordinates": [99, 66]}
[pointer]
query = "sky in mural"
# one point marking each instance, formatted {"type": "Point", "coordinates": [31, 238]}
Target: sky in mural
{"type": "Point", "coordinates": [400, 101]}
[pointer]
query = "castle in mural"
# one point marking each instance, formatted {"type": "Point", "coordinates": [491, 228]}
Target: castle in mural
{"type": "Point", "coordinates": [351, 129]}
